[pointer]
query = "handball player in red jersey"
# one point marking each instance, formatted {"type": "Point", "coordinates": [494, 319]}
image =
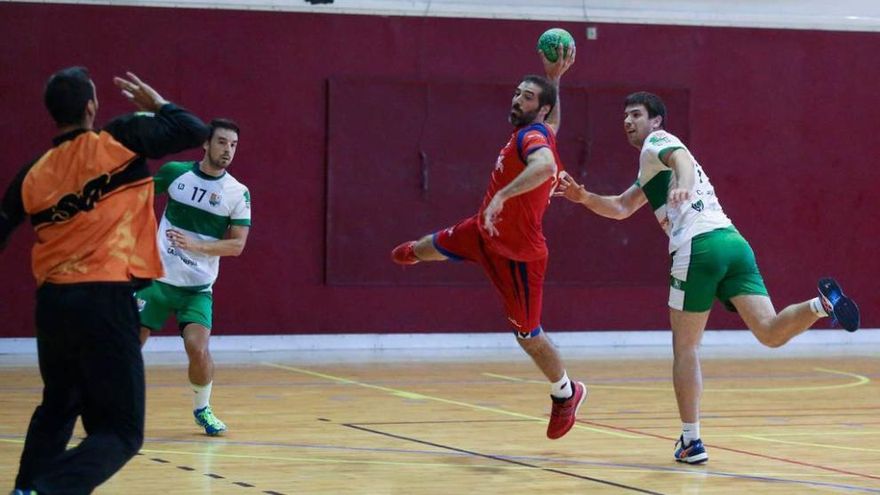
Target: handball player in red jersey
{"type": "Point", "coordinates": [505, 236]}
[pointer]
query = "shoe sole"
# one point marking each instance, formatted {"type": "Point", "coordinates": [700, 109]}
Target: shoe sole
{"type": "Point", "coordinates": [696, 459]}
{"type": "Point", "coordinates": [211, 434]}
{"type": "Point", "coordinates": [846, 312]}
{"type": "Point", "coordinates": [577, 408]}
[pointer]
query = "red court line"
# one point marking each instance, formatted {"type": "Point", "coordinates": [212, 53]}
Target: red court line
{"type": "Point", "coordinates": [758, 425]}
{"type": "Point", "coordinates": [709, 415]}
{"type": "Point", "coordinates": [754, 454]}
{"type": "Point", "coordinates": [773, 410]}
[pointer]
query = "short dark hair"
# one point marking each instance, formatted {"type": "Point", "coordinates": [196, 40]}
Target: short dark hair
{"type": "Point", "coordinates": [653, 104]}
{"type": "Point", "coordinates": [222, 124]}
{"type": "Point", "coordinates": [67, 93]}
{"type": "Point", "coordinates": [548, 90]}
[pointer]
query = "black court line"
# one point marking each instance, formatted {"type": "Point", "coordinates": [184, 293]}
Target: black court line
{"type": "Point", "coordinates": [215, 476]}
{"type": "Point", "coordinates": [502, 459]}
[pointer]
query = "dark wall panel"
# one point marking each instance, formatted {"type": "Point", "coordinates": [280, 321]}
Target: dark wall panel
{"type": "Point", "coordinates": [391, 179]}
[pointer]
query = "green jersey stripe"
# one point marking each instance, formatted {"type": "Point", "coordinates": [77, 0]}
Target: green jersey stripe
{"type": "Point", "coordinates": [665, 152]}
{"type": "Point", "coordinates": [196, 220]}
{"type": "Point", "coordinates": [657, 189]}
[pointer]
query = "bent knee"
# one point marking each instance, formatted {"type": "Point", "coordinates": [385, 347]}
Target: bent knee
{"type": "Point", "coordinates": [768, 337]}
{"type": "Point", "coordinates": [770, 340]}
{"type": "Point", "coordinates": [134, 444]}
{"type": "Point", "coordinates": [200, 353]}
{"type": "Point", "coordinates": [128, 443]}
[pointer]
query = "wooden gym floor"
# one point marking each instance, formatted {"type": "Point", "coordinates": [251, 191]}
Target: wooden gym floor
{"type": "Point", "coordinates": [475, 425]}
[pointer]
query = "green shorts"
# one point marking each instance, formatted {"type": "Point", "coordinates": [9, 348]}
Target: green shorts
{"type": "Point", "coordinates": [717, 264]}
{"type": "Point", "coordinates": [159, 300]}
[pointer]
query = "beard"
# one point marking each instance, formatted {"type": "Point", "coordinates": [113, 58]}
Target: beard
{"type": "Point", "coordinates": [219, 161]}
{"type": "Point", "coordinates": [522, 118]}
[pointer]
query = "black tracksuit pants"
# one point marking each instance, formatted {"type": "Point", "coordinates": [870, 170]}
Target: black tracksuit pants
{"type": "Point", "coordinates": [91, 365]}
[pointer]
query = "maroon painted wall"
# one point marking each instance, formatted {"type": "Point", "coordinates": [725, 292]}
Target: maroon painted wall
{"type": "Point", "coordinates": [781, 120]}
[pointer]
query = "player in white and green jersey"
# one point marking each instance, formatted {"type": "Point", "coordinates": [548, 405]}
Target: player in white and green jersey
{"type": "Point", "coordinates": [208, 215]}
{"type": "Point", "coordinates": [710, 259]}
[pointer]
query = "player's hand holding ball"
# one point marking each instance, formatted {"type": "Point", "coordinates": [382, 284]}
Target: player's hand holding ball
{"type": "Point", "coordinates": [557, 50]}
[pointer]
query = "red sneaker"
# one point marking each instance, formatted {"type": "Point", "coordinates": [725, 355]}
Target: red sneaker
{"type": "Point", "coordinates": [404, 254]}
{"type": "Point", "coordinates": [562, 416]}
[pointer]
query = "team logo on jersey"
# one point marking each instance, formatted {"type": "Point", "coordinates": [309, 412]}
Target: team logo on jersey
{"type": "Point", "coordinates": [655, 140]}
{"type": "Point", "coordinates": [141, 304]}
{"type": "Point", "coordinates": [214, 200]}
{"type": "Point", "coordinates": [499, 164]}
{"type": "Point", "coordinates": [698, 205]}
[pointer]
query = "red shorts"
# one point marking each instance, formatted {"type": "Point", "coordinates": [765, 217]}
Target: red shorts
{"type": "Point", "coordinates": [519, 283]}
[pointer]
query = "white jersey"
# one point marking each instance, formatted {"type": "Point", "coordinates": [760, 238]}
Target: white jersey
{"type": "Point", "coordinates": [199, 206]}
{"type": "Point", "coordinates": [701, 214]}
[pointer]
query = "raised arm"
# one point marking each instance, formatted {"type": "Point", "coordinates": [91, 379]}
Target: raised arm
{"type": "Point", "coordinates": [554, 71]}
{"type": "Point", "coordinates": [161, 128]}
{"type": "Point", "coordinates": [617, 207]}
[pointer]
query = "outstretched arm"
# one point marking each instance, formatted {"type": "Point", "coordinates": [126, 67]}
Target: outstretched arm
{"type": "Point", "coordinates": [554, 71]}
{"type": "Point", "coordinates": [541, 167]}
{"type": "Point", "coordinates": [617, 207]}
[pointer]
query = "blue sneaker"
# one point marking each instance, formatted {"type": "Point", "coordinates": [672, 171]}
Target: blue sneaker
{"type": "Point", "coordinates": [206, 419]}
{"type": "Point", "coordinates": [840, 308]}
{"type": "Point", "coordinates": [694, 453]}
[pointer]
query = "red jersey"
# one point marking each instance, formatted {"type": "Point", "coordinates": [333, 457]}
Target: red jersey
{"type": "Point", "coordinates": [520, 236]}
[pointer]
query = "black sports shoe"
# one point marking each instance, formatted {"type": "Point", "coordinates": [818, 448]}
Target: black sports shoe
{"type": "Point", "coordinates": [840, 308]}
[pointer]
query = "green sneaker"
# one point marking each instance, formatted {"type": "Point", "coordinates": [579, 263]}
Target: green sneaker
{"type": "Point", "coordinates": [206, 419]}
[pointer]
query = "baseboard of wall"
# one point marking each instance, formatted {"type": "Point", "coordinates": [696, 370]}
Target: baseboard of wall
{"type": "Point", "coordinates": [634, 340]}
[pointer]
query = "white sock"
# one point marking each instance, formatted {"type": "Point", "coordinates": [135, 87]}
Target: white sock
{"type": "Point", "coordinates": [817, 307]}
{"type": "Point", "coordinates": [202, 395]}
{"type": "Point", "coordinates": [690, 432]}
{"type": "Point", "coordinates": [562, 388]}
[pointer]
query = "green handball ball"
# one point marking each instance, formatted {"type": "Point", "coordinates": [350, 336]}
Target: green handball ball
{"type": "Point", "coordinates": [552, 38]}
